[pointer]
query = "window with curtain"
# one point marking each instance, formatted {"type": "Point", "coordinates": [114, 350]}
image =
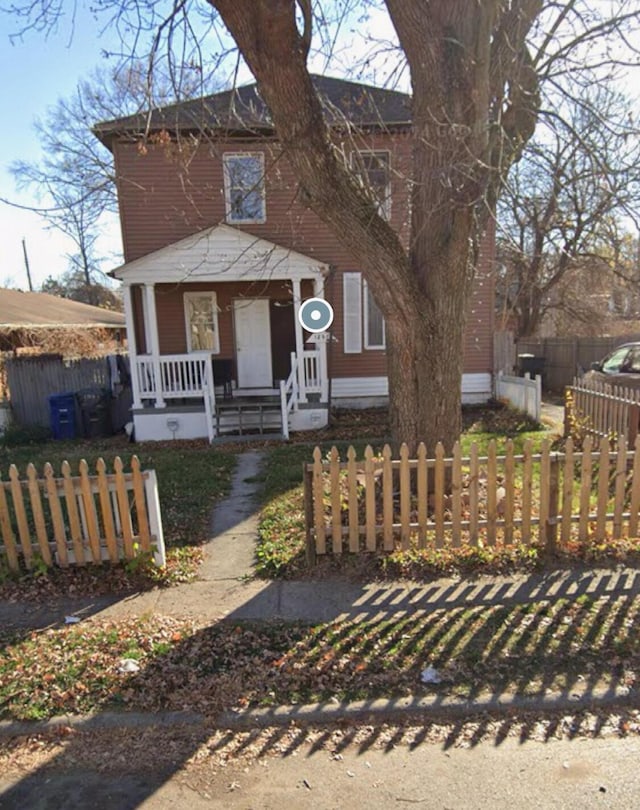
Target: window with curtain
{"type": "Point", "coordinates": [201, 313]}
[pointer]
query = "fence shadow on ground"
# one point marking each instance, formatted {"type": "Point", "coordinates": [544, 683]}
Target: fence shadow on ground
{"type": "Point", "coordinates": [524, 636]}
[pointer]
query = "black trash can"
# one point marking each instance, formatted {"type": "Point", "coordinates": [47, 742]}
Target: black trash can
{"type": "Point", "coordinates": [95, 412]}
{"type": "Point", "coordinates": [530, 364]}
{"type": "Point", "coordinates": [62, 415]}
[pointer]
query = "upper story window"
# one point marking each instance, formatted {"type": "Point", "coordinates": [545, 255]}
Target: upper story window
{"type": "Point", "coordinates": [244, 187]}
{"type": "Point", "coordinates": [374, 170]}
{"type": "Point", "coordinates": [201, 316]}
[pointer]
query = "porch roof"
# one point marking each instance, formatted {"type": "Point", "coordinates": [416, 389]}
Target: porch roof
{"type": "Point", "coordinates": [220, 253]}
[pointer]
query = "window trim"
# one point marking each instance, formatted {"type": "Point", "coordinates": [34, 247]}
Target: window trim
{"type": "Point", "coordinates": [190, 296]}
{"type": "Point", "coordinates": [227, 188]}
{"type": "Point", "coordinates": [386, 206]}
{"type": "Point", "coordinates": [365, 307]}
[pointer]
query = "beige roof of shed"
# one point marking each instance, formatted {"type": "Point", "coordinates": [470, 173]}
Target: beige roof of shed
{"type": "Point", "coordinates": [34, 309]}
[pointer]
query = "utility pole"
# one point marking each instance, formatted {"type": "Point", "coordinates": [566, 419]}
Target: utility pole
{"type": "Point", "coordinates": [26, 263]}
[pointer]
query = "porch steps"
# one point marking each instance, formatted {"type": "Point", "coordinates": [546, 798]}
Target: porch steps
{"type": "Point", "coordinates": [244, 416]}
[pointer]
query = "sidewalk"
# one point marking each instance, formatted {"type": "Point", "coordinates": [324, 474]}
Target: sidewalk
{"type": "Point", "coordinates": [327, 600]}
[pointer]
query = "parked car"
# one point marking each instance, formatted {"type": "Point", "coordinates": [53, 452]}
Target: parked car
{"type": "Point", "coordinates": [620, 367]}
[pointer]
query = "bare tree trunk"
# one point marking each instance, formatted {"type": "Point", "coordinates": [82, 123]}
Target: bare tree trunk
{"type": "Point", "coordinates": [424, 380]}
{"type": "Point", "coordinates": [457, 55]}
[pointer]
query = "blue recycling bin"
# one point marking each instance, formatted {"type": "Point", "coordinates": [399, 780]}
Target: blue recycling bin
{"type": "Point", "coordinates": [62, 413]}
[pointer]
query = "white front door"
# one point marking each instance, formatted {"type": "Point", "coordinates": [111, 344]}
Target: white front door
{"type": "Point", "coordinates": [253, 342]}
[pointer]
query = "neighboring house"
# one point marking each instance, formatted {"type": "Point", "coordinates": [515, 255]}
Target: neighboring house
{"type": "Point", "coordinates": [34, 320]}
{"type": "Point", "coordinates": [50, 345]}
{"type": "Point", "coordinates": [220, 251]}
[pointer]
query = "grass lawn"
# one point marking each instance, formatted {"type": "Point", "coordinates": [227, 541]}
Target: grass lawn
{"type": "Point", "coordinates": [281, 551]}
{"type": "Point", "coordinates": [191, 476]}
{"type": "Point", "coordinates": [526, 649]}
{"type": "Point", "coordinates": [281, 547]}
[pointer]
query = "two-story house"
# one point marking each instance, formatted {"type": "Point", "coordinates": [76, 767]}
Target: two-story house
{"type": "Point", "coordinates": [220, 251]}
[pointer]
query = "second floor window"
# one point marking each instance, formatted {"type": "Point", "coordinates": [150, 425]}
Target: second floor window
{"type": "Point", "coordinates": [244, 187]}
{"type": "Point", "coordinates": [374, 170]}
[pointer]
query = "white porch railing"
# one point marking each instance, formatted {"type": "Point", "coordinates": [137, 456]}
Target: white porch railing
{"type": "Point", "coordinates": [311, 372]}
{"type": "Point", "coordinates": [180, 375]}
{"type": "Point", "coordinates": [209, 401]}
{"type": "Point", "coordinates": [308, 376]}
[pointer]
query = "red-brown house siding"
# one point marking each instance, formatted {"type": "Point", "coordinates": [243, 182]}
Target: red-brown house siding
{"type": "Point", "coordinates": [165, 196]}
{"type": "Point", "coordinates": [478, 345]}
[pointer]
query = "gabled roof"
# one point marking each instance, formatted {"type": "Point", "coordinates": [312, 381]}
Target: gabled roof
{"type": "Point", "coordinates": [219, 253]}
{"type": "Point", "coordinates": [19, 310]}
{"type": "Point", "coordinates": [243, 109]}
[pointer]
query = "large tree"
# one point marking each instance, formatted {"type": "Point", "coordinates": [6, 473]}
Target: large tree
{"type": "Point", "coordinates": [73, 285]}
{"type": "Point", "coordinates": [565, 211]}
{"type": "Point", "coordinates": [476, 70]}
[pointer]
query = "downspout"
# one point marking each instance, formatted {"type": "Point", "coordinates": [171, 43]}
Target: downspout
{"type": "Point", "coordinates": [331, 278]}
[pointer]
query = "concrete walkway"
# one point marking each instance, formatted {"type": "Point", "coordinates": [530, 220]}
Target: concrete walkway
{"type": "Point", "coordinates": [552, 416]}
{"type": "Point", "coordinates": [230, 554]}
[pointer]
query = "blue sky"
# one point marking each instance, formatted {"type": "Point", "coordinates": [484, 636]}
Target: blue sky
{"type": "Point", "coordinates": [36, 71]}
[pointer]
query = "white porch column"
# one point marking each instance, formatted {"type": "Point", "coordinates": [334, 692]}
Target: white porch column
{"type": "Point", "coordinates": [318, 292]}
{"type": "Point", "coordinates": [131, 344]}
{"type": "Point", "coordinates": [302, 391]}
{"type": "Point", "coordinates": [154, 348]}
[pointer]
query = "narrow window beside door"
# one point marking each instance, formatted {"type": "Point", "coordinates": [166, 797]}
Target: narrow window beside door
{"type": "Point", "coordinates": [201, 315]}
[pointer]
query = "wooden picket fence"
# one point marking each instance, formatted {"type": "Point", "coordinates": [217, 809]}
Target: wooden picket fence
{"type": "Point", "coordinates": [602, 410]}
{"type": "Point", "coordinates": [380, 504]}
{"type": "Point", "coordinates": [74, 519]}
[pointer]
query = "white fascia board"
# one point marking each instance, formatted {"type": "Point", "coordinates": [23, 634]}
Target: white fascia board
{"type": "Point", "coordinates": [221, 253]}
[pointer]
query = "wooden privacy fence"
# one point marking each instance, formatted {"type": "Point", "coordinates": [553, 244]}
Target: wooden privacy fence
{"type": "Point", "coordinates": [504, 352]}
{"type": "Point", "coordinates": [565, 357]}
{"type": "Point", "coordinates": [599, 410]}
{"type": "Point", "coordinates": [79, 518]}
{"type": "Point", "coordinates": [31, 379]}
{"type": "Point", "coordinates": [382, 504]}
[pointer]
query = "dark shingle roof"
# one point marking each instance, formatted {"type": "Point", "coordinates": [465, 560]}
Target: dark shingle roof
{"type": "Point", "coordinates": [243, 109]}
{"type": "Point", "coordinates": [30, 309]}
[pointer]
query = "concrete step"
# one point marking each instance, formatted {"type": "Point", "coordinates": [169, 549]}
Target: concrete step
{"type": "Point", "coordinates": [246, 418]}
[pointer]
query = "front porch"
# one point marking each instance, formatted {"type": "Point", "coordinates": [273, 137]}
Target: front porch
{"type": "Point", "coordinates": [215, 341]}
{"type": "Point", "coordinates": [178, 397]}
